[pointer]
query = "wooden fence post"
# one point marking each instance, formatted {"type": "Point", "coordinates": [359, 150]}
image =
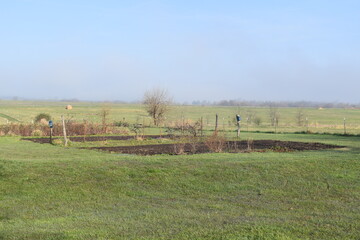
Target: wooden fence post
{"type": "Point", "coordinates": [216, 122]}
{"type": "Point", "coordinates": [64, 131]}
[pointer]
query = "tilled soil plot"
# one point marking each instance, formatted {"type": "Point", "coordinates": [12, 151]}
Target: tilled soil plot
{"type": "Point", "coordinates": [229, 146]}
{"type": "Point", "coordinates": [95, 138]}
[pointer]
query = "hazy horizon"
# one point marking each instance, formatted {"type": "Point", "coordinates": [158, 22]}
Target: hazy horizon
{"type": "Point", "coordinates": [198, 50]}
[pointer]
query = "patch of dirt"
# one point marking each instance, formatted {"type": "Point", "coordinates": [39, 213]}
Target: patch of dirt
{"type": "Point", "coordinates": [194, 148]}
{"type": "Point", "coordinates": [230, 146]}
{"type": "Point", "coordinates": [95, 138]}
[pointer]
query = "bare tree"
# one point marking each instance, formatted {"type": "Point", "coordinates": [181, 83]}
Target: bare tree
{"type": "Point", "coordinates": [274, 115]}
{"type": "Point", "coordinates": [157, 103]}
{"type": "Point", "coordinates": [300, 117]}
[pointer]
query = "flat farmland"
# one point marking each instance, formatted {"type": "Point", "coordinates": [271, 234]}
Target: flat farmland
{"type": "Point", "coordinates": [321, 120]}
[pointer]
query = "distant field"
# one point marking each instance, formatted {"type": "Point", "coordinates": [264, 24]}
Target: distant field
{"type": "Point", "coordinates": [319, 120]}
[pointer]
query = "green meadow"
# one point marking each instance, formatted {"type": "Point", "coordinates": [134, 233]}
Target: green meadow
{"type": "Point", "coordinates": [52, 192]}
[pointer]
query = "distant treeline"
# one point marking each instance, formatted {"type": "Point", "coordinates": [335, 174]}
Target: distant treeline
{"type": "Point", "coordinates": [240, 103]}
{"type": "Point", "coordinates": [301, 104]}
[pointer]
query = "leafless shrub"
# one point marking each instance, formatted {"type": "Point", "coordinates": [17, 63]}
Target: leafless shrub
{"type": "Point", "coordinates": [274, 115]}
{"type": "Point", "coordinates": [300, 118]}
{"type": "Point", "coordinates": [193, 142]}
{"type": "Point", "coordinates": [135, 128]}
{"type": "Point", "coordinates": [186, 127]}
{"type": "Point", "coordinates": [157, 104]}
{"type": "Point", "coordinates": [215, 142]}
{"type": "Point", "coordinates": [179, 148]}
{"type": "Point", "coordinates": [257, 121]}
{"type": "Point", "coordinates": [104, 114]}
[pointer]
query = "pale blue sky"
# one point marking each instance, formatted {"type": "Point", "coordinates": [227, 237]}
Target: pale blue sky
{"type": "Point", "coordinates": [198, 50]}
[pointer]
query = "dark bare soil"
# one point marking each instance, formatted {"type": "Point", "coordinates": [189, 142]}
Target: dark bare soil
{"type": "Point", "coordinates": [194, 148]}
{"type": "Point", "coordinates": [230, 146]}
{"type": "Point", "coordinates": [95, 138]}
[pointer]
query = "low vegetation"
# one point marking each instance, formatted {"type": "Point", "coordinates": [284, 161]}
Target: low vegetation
{"type": "Point", "coordinates": [52, 192]}
{"type": "Point", "coordinates": [48, 192]}
{"type": "Point", "coordinates": [42, 116]}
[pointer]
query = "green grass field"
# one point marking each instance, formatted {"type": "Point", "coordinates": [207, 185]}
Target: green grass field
{"type": "Point", "coordinates": [51, 192]}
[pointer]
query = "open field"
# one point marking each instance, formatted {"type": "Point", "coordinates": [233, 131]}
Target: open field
{"type": "Point", "coordinates": [50, 192]}
{"type": "Point", "coordinates": [319, 120]}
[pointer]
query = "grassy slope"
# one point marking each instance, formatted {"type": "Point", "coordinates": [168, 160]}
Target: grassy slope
{"type": "Point", "coordinates": [52, 193]}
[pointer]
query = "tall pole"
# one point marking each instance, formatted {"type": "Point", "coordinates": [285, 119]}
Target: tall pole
{"type": "Point", "coordinates": [345, 126]}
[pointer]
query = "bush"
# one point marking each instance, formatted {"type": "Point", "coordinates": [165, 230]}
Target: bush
{"type": "Point", "coordinates": [37, 133]}
{"type": "Point", "coordinates": [179, 148]}
{"type": "Point", "coordinates": [122, 124]}
{"type": "Point", "coordinates": [257, 121]}
{"type": "Point", "coordinates": [215, 142]}
{"type": "Point", "coordinates": [187, 127]}
{"type": "Point", "coordinates": [41, 116]}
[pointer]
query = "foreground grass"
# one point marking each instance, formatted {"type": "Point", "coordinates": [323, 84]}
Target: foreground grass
{"type": "Point", "coordinates": [47, 192]}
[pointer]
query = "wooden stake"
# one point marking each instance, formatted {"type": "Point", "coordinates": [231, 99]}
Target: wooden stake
{"type": "Point", "coordinates": [238, 129]}
{"type": "Point", "coordinates": [64, 131]}
{"type": "Point", "coordinates": [51, 133]}
{"type": "Point", "coordinates": [216, 122]}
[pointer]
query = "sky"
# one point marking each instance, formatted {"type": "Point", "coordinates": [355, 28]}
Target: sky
{"type": "Point", "coordinates": [264, 50]}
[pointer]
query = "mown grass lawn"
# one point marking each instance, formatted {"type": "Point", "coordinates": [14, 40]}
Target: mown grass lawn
{"type": "Point", "coordinates": [49, 192]}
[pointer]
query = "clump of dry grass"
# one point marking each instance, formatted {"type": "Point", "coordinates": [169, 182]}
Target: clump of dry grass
{"type": "Point", "coordinates": [215, 142]}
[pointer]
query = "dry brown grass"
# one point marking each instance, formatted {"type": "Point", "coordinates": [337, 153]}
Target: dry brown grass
{"type": "Point", "coordinates": [215, 142]}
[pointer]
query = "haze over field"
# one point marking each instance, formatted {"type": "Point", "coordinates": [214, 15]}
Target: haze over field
{"type": "Point", "coordinates": [115, 50]}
